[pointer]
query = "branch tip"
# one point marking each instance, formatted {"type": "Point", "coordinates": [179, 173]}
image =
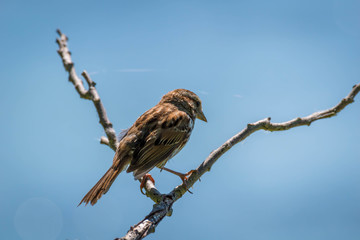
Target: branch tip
{"type": "Point", "coordinates": [104, 140]}
{"type": "Point", "coordinates": [89, 81]}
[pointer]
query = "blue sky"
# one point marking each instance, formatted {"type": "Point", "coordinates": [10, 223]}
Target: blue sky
{"type": "Point", "coordinates": [247, 60]}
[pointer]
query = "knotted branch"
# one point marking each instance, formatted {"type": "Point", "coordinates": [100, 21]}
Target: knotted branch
{"type": "Point", "coordinates": [164, 202]}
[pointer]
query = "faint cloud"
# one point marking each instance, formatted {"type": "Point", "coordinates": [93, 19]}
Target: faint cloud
{"type": "Point", "coordinates": [125, 70]}
{"type": "Point", "coordinates": [203, 92]}
{"type": "Point", "coordinates": [94, 73]}
{"type": "Point", "coordinates": [238, 96]}
{"type": "Point", "coordinates": [135, 70]}
{"type": "Point", "coordinates": [99, 71]}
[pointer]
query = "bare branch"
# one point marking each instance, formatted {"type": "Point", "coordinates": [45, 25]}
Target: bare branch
{"type": "Point", "coordinates": [90, 94]}
{"type": "Point", "coordinates": [163, 208]}
{"type": "Point", "coordinates": [149, 223]}
{"type": "Point", "coordinates": [164, 202]}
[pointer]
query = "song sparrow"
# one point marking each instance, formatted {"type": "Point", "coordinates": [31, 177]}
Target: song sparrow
{"type": "Point", "coordinates": [156, 136]}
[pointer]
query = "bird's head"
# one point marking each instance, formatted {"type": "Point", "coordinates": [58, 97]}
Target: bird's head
{"type": "Point", "coordinates": [186, 99]}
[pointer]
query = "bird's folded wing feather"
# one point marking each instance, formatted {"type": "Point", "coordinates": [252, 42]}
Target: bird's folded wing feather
{"type": "Point", "coordinates": [162, 143]}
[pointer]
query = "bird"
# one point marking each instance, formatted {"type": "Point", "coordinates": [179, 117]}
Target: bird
{"type": "Point", "coordinates": [155, 137]}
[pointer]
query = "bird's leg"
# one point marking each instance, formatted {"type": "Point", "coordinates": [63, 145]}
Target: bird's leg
{"type": "Point", "coordinates": [143, 181]}
{"type": "Point", "coordinates": [183, 176]}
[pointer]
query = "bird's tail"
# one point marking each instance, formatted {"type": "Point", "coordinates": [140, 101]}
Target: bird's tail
{"type": "Point", "coordinates": [101, 187]}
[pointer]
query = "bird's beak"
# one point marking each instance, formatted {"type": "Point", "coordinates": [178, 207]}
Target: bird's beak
{"type": "Point", "coordinates": [201, 116]}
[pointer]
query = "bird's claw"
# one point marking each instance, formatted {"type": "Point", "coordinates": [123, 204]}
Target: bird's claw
{"type": "Point", "coordinates": [143, 181]}
{"type": "Point", "coordinates": [185, 177]}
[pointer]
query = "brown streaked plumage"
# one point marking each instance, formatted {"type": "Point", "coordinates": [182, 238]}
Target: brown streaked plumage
{"type": "Point", "coordinates": [156, 136]}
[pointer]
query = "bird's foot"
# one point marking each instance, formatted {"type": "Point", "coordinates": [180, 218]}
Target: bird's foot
{"type": "Point", "coordinates": [143, 181]}
{"type": "Point", "coordinates": [183, 176]}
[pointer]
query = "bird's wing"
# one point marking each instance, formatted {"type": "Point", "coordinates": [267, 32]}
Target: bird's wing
{"type": "Point", "coordinates": [167, 139]}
